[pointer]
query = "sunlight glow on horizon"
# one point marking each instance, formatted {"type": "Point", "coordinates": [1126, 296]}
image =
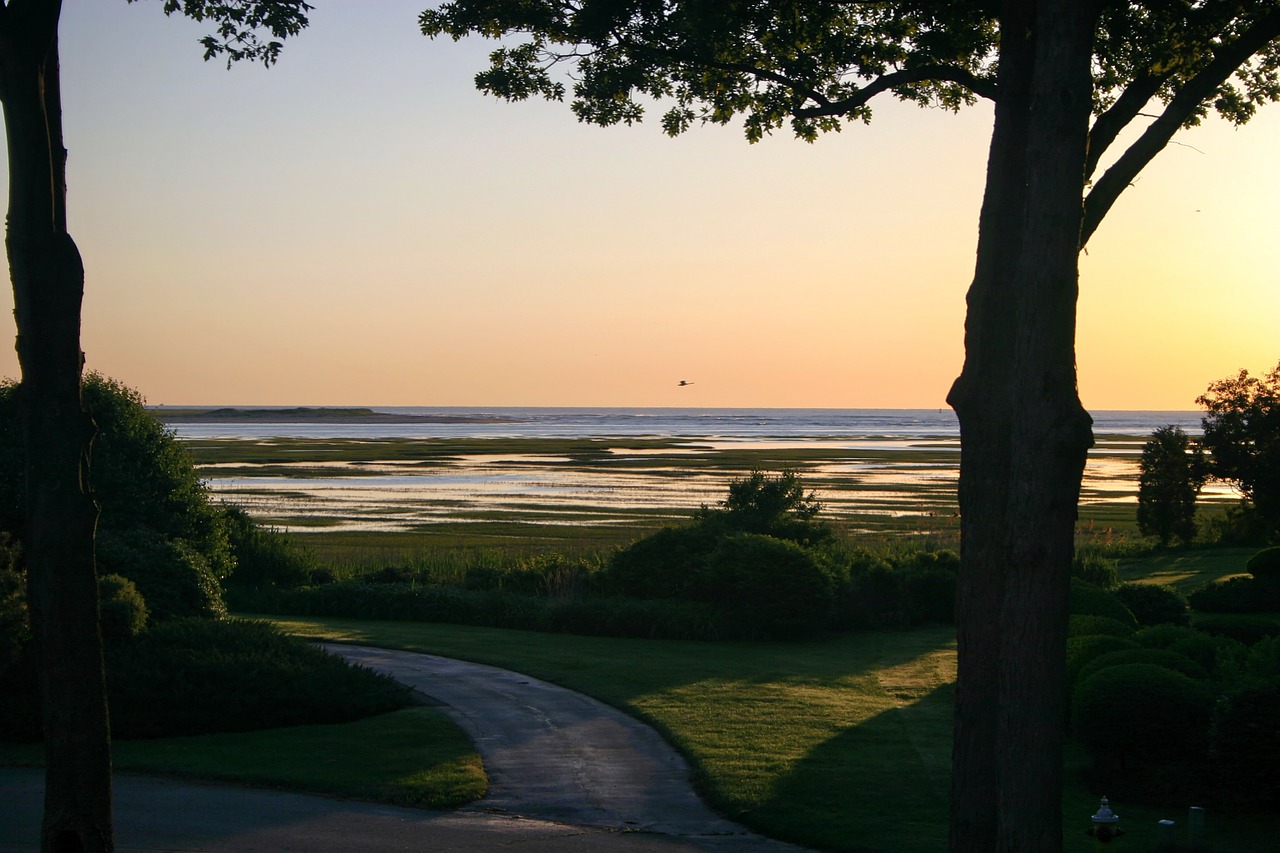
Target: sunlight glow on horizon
{"type": "Point", "coordinates": [373, 231]}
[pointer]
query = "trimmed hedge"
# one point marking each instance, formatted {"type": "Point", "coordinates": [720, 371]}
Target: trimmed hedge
{"type": "Point", "coordinates": [1089, 600]}
{"type": "Point", "coordinates": [1160, 657]}
{"type": "Point", "coordinates": [1246, 744]}
{"type": "Point", "coordinates": [1241, 594]}
{"type": "Point", "coordinates": [1265, 565]}
{"type": "Point", "coordinates": [1082, 650]}
{"type": "Point", "coordinates": [1153, 604]}
{"type": "Point", "coordinates": [1084, 626]}
{"type": "Point", "coordinates": [1246, 629]}
{"type": "Point", "coordinates": [1141, 713]}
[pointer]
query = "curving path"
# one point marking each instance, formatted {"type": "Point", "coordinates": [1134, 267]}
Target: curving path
{"type": "Point", "coordinates": [567, 773]}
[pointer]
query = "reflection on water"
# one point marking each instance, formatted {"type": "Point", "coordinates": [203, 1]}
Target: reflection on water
{"type": "Point", "coordinates": [857, 479]}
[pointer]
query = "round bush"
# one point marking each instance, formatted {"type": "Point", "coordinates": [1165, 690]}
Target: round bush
{"type": "Point", "coordinates": [1246, 629]}
{"type": "Point", "coordinates": [1153, 604]}
{"type": "Point", "coordinates": [1160, 657]}
{"type": "Point", "coordinates": [1265, 565]}
{"type": "Point", "coordinates": [1241, 594]}
{"type": "Point", "coordinates": [1089, 600]}
{"type": "Point", "coordinates": [1215, 654]}
{"type": "Point", "coordinates": [1082, 650]}
{"type": "Point", "coordinates": [667, 564]}
{"type": "Point", "coordinates": [1246, 745]}
{"type": "Point", "coordinates": [121, 608]}
{"type": "Point", "coordinates": [1083, 626]}
{"type": "Point", "coordinates": [174, 579]}
{"type": "Point", "coordinates": [773, 585]}
{"type": "Point", "coordinates": [1141, 713]}
{"type": "Point", "coordinates": [1263, 660]}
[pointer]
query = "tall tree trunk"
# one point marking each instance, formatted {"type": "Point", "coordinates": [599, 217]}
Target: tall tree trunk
{"type": "Point", "coordinates": [1024, 437]}
{"type": "Point", "coordinates": [48, 284]}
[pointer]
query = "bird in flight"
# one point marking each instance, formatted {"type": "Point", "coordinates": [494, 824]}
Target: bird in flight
{"type": "Point", "coordinates": [683, 382]}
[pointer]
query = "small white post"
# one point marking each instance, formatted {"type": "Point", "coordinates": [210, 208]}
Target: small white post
{"type": "Point", "coordinates": [1195, 827]}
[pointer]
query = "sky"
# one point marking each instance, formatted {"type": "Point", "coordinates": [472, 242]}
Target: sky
{"type": "Point", "coordinates": [357, 225]}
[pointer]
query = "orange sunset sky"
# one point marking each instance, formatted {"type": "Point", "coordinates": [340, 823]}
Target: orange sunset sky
{"type": "Point", "coordinates": [358, 225]}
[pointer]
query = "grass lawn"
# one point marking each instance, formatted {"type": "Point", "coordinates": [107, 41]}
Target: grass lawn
{"type": "Point", "coordinates": [841, 745]}
{"type": "Point", "coordinates": [414, 757]}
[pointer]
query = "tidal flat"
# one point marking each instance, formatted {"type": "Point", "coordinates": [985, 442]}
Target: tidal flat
{"type": "Point", "coordinates": [603, 490]}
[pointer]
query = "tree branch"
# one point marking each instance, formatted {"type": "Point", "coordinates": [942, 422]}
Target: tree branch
{"type": "Point", "coordinates": [1180, 108]}
{"type": "Point", "coordinates": [1115, 119]}
{"type": "Point", "coordinates": [927, 73]}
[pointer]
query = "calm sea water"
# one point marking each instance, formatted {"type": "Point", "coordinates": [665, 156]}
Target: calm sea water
{"type": "Point", "coordinates": [709, 423]}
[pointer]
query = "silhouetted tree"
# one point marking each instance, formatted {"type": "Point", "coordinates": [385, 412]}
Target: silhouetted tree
{"type": "Point", "coordinates": [1171, 472]}
{"type": "Point", "coordinates": [48, 284]}
{"type": "Point", "coordinates": [1049, 65]}
{"type": "Point", "coordinates": [1242, 435]}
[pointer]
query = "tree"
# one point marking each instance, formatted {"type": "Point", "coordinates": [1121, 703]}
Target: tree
{"type": "Point", "coordinates": [48, 284]}
{"type": "Point", "coordinates": [1171, 473]}
{"type": "Point", "coordinates": [1242, 435]}
{"type": "Point", "coordinates": [1050, 66]}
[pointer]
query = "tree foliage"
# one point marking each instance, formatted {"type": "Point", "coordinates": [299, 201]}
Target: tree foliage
{"type": "Point", "coordinates": [1171, 472]}
{"type": "Point", "coordinates": [1242, 435]}
{"type": "Point", "coordinates": [816, 66]}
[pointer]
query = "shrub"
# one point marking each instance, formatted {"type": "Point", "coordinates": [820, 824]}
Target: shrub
{"type": "Point", "coordinates": [1265, 565]}
{"type": "Point", "coordinates": [1160, 657]}
{"type": "Point", "coordinates": [1086, 599]}
{"type": "Point", "coordinates": [1218, 655]}
{"type": "Point", "coordinates": [15, 630]}
{"type": "Point", "coordinates": [1141, 713]}
{"type": "Point", "coordinates": [1095, 569]}
{"type": "Point", "coordinates": [668, 564]}
{"type": "Point", "coordinates": [1262, 663]}
{"type": "Point", "coordinates": [1246, 745]}
{"type": "Point", "coordinates": [774, 506]}
{"type": "Point", "coordinates": [1081, 650]}
{"type": "Point", "coordinates": [264, 556]}
{"type": "Point", "coordinates": [1246, 629]}
{"type": "Point", "coordinates": [174, 579]}
{"type": "Point", "coordinates": [1241, 594]}
{"type": "Point", "coordinates": [122, 610]}
{"type": "Point", "coordinates": [195, 676]}
{"type": "Point", "coordinates": [1085, 626]}
{"type": "Point", "coordinates": [1171, 473]}
{"type": "Point", "coordinates": [775, 587]}
{"type": "Point", "coordinates": [1153, 604]}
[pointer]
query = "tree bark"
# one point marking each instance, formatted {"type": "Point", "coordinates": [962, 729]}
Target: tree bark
{"type": "Point", "coordinates": [1024, 436]}
{"type": "Point", "coordinates": [48, 285]}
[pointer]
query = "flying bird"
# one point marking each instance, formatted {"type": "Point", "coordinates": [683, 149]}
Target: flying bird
{"type": "Point", "coordinates": [683, 382]}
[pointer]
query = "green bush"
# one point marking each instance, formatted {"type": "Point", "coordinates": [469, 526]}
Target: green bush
{"type": "Point", "coordinates": [1262, 662]}
{"type": "Point", "coordinates": [1095, 569]}
{"type": "Point", "coordinates": [1153, 604]}
{"type": "Point", "coordinates": [1265, 565]}
{"type": "Point", "coordinates": [772, 586]}
{"type": "Point", "coordinates": [175, 580]}
{"type": "Point", "coordinates": [1246, 745]}
{"type": "Point", "coordinates": [1160, 657]}
{"type": "Point", "coordinates": [264, 556]}
{"type": "Point", "coordinates": [1085, 626]}
{"type": "Point", "coordinates": [15, 630]}
{"type": "Point", "coordinates": [775, 506]}
{"type": "Point", "coordinates": [1083, 649]}
{"type": "Point", "coordinates": [1141, 714]}
{"type": "Point", "coordinates": [1242, 594]}
{"type": "Point", "coordinates": [195, 676]}
{"type": "Point", "coordinates": [1218, 655]}
{"type": "Point", "coordinates": [1086, 599]}
{"type": "Point", "coordinates": [122, 610]}
{"type": "Point", "coordinates": [668, 564]}
{"type": "Point", "coordinates": [1245, 629]}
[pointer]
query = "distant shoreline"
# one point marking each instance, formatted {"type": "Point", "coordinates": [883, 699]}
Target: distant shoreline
{"type": "Point", "coordinates": [322, 414]}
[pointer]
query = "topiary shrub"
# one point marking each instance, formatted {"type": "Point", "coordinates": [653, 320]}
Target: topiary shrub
{"type": "Point", "coordinates": [1095, 569]}
{"type": "Point", "coordinates": [122, 610]}
{"type": "Point", "coordinates": [772, 586]}
{"type": "Point", "coordinates": [1141, 714]}
{"type": "Point", "coordinates": [1246, 745]}
{"type": "Point", "coordinates": [1218, 655]}
{"type": "Point", "coordinates": [1265, 565]}
{"type": "Point", "coordinates": [1087, 599]}
{"type": "Point", "coordinates": [1081, 650]}
{"type": "Point", "coordinates": [1245, 629]}
{"type": "Point", "coordinates": [1160, 657]}
{"type": "Point", "coordinates": [1262, 663]}
{"type": "Point", "coordinates": [1153, 604]}
{"type": "Point", "coordinates": [1241, 594]}
{"type": "Point", "coordinates": [1084, 626]}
